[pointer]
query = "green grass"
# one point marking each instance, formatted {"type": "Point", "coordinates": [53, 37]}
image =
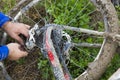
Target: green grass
{"type": "Point", "coordinates": [6, 5]}
{"type": "Point", "coordinates": [70, 12]}
{"type": "Point", "coordinates": [112, 67]}
{"type": "Point", "coordinates": [64, 15]}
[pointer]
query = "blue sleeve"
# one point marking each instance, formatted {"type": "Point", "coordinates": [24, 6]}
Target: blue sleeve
{"type": "Point", "coordinates": [3, 19]}
{"type": "Point", "coordinates": [3, 49]}
{"type": "Point", "coordinates": [3, 52]}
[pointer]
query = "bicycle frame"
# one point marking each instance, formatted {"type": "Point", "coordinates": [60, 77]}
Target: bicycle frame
{"type": "Point", "coordinates": [60, 71]}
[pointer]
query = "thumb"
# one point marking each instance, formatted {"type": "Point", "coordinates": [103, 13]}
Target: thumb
{"type": "Point", "coordinates": [24, 53]}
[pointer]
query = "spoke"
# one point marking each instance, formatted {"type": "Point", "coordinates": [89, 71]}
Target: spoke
{"type": "Point", "coordinates": [17, 6]}
{"type": "Point", "coordinates": [47, 19]}
{"type": "Point", "coordinates": [39, 16]}
{"type": "Point", "coordinates": [73, 62]}
{"type": "Point", "coordinates": [54, 10]}
{"type": "Point", "coordinates": [23, 10]}
{"type": "Point", "coordinates": [78, 14]}
{"type": "Point", "coordinates": [83, 52]}
{"type": "Point", "coordinates": [66, 8]}
{"type": "Point", "coordinates": [47, 73]}
{"type": "Point", "coordinates": [70, 10]}
{"type": "Point", "coordinates": [45, 12]}
{"type": "Point", "coordinates": [29, 18]}
{"type": "Point", "coordinates": [73, 7]}
{"type": "Point", "coordinates": [38, 12]}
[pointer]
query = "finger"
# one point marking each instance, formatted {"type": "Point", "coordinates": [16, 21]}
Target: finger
{"type": "Point", "coordinates": [25, 32]}
{"type": "Point", "coordinates": [27, 26]}
{"type": "Point", "coordinates": [23, 52]}
{"type": "Point", "coordinates": [16, 37]}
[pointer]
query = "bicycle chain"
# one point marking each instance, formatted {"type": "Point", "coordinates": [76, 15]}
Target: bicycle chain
{"type": "Point", "coordinates": [36, 39]}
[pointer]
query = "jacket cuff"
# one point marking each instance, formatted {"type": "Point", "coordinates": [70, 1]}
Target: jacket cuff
{"type": "Point", "coordinates": [3, 19]}
{"type": "Point", "coordinates": [4, 51]}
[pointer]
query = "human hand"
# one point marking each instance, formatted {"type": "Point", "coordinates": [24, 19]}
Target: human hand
{"type": "Point", "coordinates": [15, 29]}
{"type": "Point", "coordinates": [15, 51]}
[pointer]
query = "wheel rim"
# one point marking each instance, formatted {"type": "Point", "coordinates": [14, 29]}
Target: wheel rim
{"type": "Point", "coordinates": [45, 21]}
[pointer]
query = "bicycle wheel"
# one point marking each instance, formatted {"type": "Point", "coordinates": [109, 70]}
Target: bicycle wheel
{"type": "Point", "coordinates": [89, 62]}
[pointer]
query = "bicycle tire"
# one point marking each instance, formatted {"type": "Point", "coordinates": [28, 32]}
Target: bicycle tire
{"type": "Point", "coordinates": [98, 66]}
